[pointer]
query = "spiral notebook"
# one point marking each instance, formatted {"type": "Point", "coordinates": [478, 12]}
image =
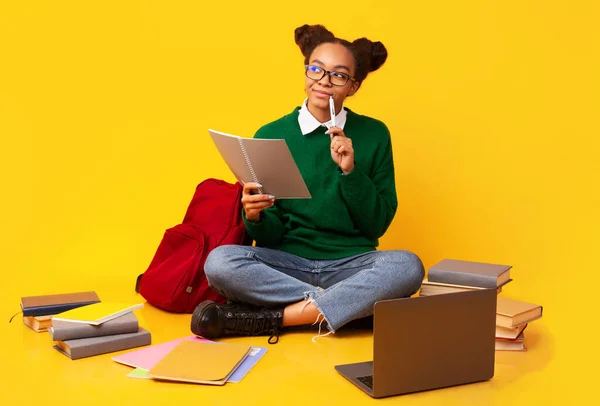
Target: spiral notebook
{"type": "Point", "coordinates": [265, 161]}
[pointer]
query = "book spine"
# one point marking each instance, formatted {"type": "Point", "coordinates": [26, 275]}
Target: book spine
{"type": "Point", "coordinates": [248, 163]}
{"type": "Point", "coordinates": [72, 331]}
{"type": "Point", "coordinates": [54, 309]}
{"type": "Point", "coordinates": [120, 342]}
{"type": "Point", "coordinates": [459, 278]}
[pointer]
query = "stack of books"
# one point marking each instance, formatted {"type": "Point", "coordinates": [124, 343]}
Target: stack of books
{"type": "Point", "coordinates": [96, 329]}
{"type": "Point", "coordinates": [37, 310]}
{"type": "Point", "coordinates": [512, 316]}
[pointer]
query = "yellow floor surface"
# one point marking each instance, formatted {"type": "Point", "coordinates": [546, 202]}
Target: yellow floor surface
{"type": "Point", "coordinates": [295, 371]}
{"type": "Point", "coordinates": [492, 108]}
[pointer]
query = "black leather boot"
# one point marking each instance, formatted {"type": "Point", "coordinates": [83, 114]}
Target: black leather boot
{"type": "Point", "coordinates": [212, 320]}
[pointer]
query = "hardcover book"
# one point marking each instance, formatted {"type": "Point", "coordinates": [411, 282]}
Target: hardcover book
{"type": "Point", "coordinates": [518, 344]}
{"type": "Point", "coordinates": [88, 347]}
{"type": "Point", "coordinates": [511, 313]}
{"type": "Point", "coordinates": [509, 333]}
{"type": "Point", "coordinates": [470, 273]}
{"type": "Point", "coordinates": [45, 305]}
{"type": "Point", "coordinates": [429, 288]}
{"type": "Point", "coordinates": [67, 330]}
{"type": "Point", "coordinates": [38, 323]}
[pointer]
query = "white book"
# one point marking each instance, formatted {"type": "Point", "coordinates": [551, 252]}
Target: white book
{"type": "Point", "coordinates": [96, 313]}
{"type": "Point", "coordinates": [265, 161]}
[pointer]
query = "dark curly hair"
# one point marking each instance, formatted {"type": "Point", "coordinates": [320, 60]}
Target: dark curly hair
{"type": "Point", "coordinates": [368, 55]}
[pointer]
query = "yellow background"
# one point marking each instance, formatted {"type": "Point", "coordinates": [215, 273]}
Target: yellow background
{"type": "Point", "coordinates": [493, 108]}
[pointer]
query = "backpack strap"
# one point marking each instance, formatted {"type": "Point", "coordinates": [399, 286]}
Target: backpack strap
{"type": "Point", "coordinates": [137, 282]}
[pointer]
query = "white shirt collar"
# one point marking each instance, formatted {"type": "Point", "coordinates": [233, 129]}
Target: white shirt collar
{"type": "Point", "coordinates": [308, 122]}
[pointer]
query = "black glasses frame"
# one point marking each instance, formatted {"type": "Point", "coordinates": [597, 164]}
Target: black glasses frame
{"type": "Point", "coordinates": [328, 72]}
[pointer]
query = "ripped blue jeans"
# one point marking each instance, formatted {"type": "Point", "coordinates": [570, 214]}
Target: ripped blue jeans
{"type": "Point", "coordinates": [342, 289]}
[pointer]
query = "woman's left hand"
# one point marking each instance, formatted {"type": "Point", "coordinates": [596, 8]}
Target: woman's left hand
{"type": "Point", "coordinates": [342, 151]}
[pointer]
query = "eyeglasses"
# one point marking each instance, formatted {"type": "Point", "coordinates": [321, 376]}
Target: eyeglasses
{"type": "Point", "coordinates": [335, 78]}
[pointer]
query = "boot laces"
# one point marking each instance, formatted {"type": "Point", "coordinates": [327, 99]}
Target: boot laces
{"type": "Point", "coordinates": [256, 322]}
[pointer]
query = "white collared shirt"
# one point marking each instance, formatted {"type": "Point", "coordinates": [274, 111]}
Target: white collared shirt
{"type": "Point", "coordinates": [308, 122]}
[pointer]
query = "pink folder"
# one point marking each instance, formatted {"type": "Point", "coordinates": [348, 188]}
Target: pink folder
{"type": "Point", "coordinates": [147, 357]}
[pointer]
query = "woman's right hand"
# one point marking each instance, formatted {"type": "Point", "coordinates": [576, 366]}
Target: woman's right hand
{"type": "Point", "coordinates": [255, 203]}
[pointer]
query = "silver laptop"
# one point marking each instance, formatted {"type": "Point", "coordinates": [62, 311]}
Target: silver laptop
{"type": "Point", "coordinates": [428, 342]}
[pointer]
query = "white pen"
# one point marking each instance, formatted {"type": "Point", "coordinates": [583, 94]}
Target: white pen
{"type": "Point", "coordinates": [332, 110]}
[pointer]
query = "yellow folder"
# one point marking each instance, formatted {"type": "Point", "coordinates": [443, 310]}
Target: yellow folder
{"type": "Point", "coordinates": [97, 313]}
{"type": "Point", "coordinates": [200, 362]}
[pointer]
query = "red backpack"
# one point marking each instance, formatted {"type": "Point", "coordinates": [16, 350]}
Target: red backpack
{"type": "Point", "coordinates": [175, 279]}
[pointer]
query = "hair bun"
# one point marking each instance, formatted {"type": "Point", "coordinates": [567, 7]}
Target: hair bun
{"type": "Point", "coordinates": [378, 55]}
{"type": "Point", "coordinates": [307, 37]}
{"type": "Point", "coordinates": [374, 53]}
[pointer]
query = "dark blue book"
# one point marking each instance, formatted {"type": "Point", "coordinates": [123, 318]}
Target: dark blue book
{"type": "Point", "coordinates": [46, 305]}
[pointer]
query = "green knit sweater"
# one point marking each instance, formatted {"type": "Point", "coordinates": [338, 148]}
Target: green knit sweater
{"type": "Point", "coordinates": [347, 214]}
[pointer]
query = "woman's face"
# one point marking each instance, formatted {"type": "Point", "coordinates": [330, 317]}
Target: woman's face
{"type": "Point", "coordinates": [335, 58]}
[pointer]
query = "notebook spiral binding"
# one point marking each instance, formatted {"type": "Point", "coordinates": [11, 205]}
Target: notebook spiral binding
{"type": "Point", "coordinates": [248, 163]}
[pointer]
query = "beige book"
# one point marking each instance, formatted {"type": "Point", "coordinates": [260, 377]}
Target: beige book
{"type": "Point", "coordinates": [509, 333]}
{"type": "Point", "coordinates": [511, 345]}
{"type": "Point", "coordinates": [200, 362]}
{"type": "Point", "coordinates": [437, 288]}
{"type": "Point", "coordinates": [265, 161]}
{"type": "Point", "coordinates": [38, 323]}
{"type": "Point", "coordinates": [511, 313]}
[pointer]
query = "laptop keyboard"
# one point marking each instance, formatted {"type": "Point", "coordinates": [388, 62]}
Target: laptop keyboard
{"type": "Point", "coordinates": [367, 380]}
